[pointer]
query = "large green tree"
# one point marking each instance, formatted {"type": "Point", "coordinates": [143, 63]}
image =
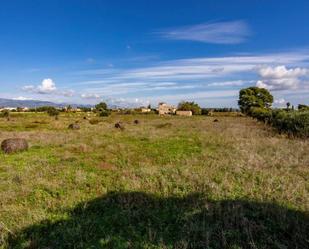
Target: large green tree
{"type": "Point", "coordinates": [53, 112]}
{"type": "Point", "coordinates": [102, 106]}
{"type": "Point", "coordinates": [102, 109]}
{"type": "Point", "coordinates": [254, 97]}
{"type": "Point", "coordinates": [190, 106]}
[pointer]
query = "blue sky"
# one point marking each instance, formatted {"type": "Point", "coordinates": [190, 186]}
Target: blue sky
{"type": "Point", "coordinates": [132, 53]}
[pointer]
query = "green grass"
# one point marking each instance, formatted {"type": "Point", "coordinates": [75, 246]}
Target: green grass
{"type": "Point", "coordinates": [168, 182]}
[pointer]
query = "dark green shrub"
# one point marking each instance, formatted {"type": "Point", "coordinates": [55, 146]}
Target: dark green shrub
{"type": "Point", "coordinates": [261, 114]}
{"type": "Point", "coordinates": [303, 107]}
{"type": "Point", "coordinates": [295, 123]}
{"type": "Point", "coordinates": [104, 113]}
{"type": "Point", "coordinates": [102, 109]}
{"type": "Point", "coordinates": [204, 111]}
{"type": "Point", "coordinates": [101, 106]}
{"type": "Point", "coordinates": [53, 112]}
{"type": "Point", "coordinates": [5, 114]}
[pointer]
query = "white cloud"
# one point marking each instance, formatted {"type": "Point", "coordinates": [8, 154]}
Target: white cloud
{"type": "Point", "coordinates": [279, 101]}
{"type": "Point", "coordinates": [90, 96]}
{"type": "Point", "coordinates": [279, 84]}
{"type": "Point", "coordinates": [261, 84]}
{"type": "Point", "coordinates": [281, 78]}
{"type": "Point", "coordinates": [22, 98]}
{"type": "Point", "coordinates": [47, 86]}
{"type": "Point", "coordinates": [232, 32]}
{"type": "Point", "coordinates": [127, 102]}
{"type": "Point", "coordinates": [280, 72]}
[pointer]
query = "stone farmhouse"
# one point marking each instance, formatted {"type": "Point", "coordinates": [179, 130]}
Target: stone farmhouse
{"type": "Point", "coordinates": [184, 113]}
{"type": "Point", "coordinates": [164, 109]}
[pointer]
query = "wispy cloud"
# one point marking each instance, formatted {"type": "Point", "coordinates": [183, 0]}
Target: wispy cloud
{"type": "Point", "coordinates": [202, 79]}
{"type": "Point", "coordinates": [174, 98]}
{"type": "Point", "coordinates": [232, 32]}
{"type": "Point", "coordinates": [196, 78]}
{"type": "Point", "coordinates": [22, 98]}
{"type": "Point", "coordinates": [229, 83]}
{"type": "Point", "coordinates": [197, 70]}
{"type": "Point", "coordinates": [90, 96]}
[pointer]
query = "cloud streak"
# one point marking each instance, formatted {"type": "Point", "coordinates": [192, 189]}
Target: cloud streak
{"type": "Point", "coordinates": [233, 32]}
{"type": "Point", "coordinates": [198, 78]}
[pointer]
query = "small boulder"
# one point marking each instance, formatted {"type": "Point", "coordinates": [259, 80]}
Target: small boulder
{"type": "Point", "coordinates": [216, 120]}
{"type": "Point", "coordinates": [119, 125]}
{"type": "Point", "coordinates": [74, 126]}
{"type": "Point", "coordinates": [12, 145]}
{"type": "Point", "coordinates": [136, 121]}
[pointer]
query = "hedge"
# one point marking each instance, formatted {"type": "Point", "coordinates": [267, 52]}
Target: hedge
{"type": "Point", "coordinates": [295, 123]}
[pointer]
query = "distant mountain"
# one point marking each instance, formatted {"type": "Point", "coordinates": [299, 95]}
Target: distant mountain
{"type": "Point", "coordinates": [33, 103]}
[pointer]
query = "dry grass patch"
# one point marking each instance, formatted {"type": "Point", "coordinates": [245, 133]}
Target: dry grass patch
{"type": "Point", "coordinates": [59, 193]}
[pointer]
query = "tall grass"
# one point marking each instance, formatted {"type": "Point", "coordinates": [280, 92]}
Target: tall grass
{"type": "Point", "coordinates": [193, 183]}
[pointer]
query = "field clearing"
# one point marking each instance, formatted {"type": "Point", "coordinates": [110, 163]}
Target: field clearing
{"type": "Point", "coordinates": [167, 182]}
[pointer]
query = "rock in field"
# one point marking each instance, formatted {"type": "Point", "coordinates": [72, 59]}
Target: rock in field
{"type": "Point", "coordinates": [12, 145]}
{"type": "Point", "coordinates": [119, 125]}
{"type": "Point", "coordinates": [74, 126]}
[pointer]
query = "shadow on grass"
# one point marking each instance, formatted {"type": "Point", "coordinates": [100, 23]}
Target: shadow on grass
{"type": "Point", "coordinates": [139, 220]}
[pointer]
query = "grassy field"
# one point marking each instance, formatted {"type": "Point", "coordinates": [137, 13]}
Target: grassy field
{"type": "Point", "coordinates": [167, 182]}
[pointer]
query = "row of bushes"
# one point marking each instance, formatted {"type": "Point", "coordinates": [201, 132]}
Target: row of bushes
{"type": "Point", "coordinates": [295, 123]}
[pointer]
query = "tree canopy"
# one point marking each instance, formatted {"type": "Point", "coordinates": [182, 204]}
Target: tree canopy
{"type": "Point", "coordinates": [254, 97]}
{"type": "Point", "coordinates": [190, 106]}
{"type": "Point", "coordinates": [302, 107]}
{"type": "Point", "coordinates": [52, 111]}
{"type": "Point", "coordinates": [102, 109]}
{"type": "Point", "coordinates": [101, 106]}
